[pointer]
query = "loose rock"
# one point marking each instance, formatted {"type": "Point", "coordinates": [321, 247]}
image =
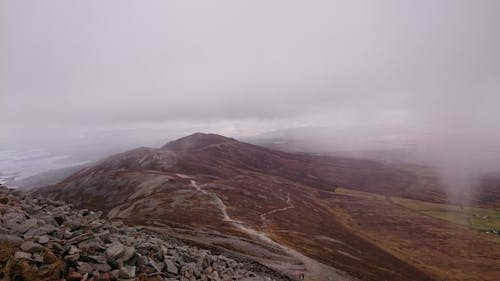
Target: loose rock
{"type": "Point", "coordinates": [56, 240]}
{"type": "Point", "coordinates": [31, 247]}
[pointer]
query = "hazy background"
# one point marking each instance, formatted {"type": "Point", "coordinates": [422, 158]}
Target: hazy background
{"type": "Point", "coordinates": [80, 79]}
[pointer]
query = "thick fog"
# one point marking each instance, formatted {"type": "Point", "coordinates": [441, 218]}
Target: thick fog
{"type": "Point", "coordinates": [141, 73]}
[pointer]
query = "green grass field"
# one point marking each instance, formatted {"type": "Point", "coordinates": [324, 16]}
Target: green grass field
{"type": "Point", "coordinates": [477, 218]}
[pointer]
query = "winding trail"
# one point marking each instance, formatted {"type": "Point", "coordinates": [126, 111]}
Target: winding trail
{"type": "Point", "coordinates": [222, 207]}
{"type": "Point", "coordinates": [289, 206]}
{"type": "Point", "coordinates": [312, 269]}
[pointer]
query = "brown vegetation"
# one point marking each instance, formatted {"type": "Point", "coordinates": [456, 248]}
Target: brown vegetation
{"type": "Point", "coordinates": [16, 269]}
{"type": "Point", "coordinates": [292, 198]}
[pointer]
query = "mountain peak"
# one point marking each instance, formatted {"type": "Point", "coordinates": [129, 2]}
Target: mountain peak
{"type": "Point", "coordinates": [196, 141]}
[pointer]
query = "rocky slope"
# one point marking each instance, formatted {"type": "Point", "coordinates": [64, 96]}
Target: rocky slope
{"type": "Point", "coordinates": [43, 239]}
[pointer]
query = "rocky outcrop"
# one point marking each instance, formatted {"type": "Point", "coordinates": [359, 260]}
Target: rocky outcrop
{"type": "Point", "coordinates": [41, 239]}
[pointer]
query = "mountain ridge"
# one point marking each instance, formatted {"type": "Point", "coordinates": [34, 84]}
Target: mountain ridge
{"type": "Point", "coordinates": [196, 141]}
{"type": "Point", "coordinates": [262, 203]}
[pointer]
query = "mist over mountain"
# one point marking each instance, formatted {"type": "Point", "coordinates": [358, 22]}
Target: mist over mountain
{"type": "Point", "coordinates": [425, 70]}
{"type": "Point", "coordinates": [362, 115]}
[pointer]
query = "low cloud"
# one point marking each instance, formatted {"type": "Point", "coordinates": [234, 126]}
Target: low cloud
{"type": "Point", "coordinates": [421, 68]}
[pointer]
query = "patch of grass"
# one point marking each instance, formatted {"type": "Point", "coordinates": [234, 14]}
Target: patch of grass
{"type": "Point", "coordinates": [481, 218]}
{"type": "Point", "coordinates": [449, 216]}
{"type": "Point", "coordinates": [419, 205]}
{"type": "Point", "coordinates": [359, 194]}
{"type": "Point", "coordinates": [477, 218]}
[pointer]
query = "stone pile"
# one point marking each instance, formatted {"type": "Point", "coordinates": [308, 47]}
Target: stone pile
{"type": "Point", "coordinates": [41, 239]}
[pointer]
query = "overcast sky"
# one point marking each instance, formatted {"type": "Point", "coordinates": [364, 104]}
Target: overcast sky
{"type": "Point", "coordinates": [416, 65]}
{"type": "Point", "coordinates": [428, 69]}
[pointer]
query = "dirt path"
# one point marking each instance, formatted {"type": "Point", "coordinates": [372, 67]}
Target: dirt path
{"type": "Point", "coordinates": [289, 206]}
{"type": "Point", "coordinates": [312, 269]}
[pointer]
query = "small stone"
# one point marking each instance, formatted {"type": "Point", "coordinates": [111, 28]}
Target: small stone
{"type": "Point", "coordinates": [98, 259]}
{"type": "Point", "coordinates": [190, 270]}
{"type": "Point", "coordinates": [56, 247]}
{"type": "Point", "coordinates": [208, 270]}
{"type": "Point", "coordinates": [11, 239]}
{"type": "Point", "coordinates": [154, 265]}
{"type": "Point", "coordinates": [72, 258]}
{"type": "Point", "coordinates": [91, 244]}
{"type": "Point", "coordinates": [84, 267]}
{"type": "Point", "coordinates": [26, 226]}
{"type": "Point", "coordinates": [105, 236]}
{"type": "Point", "coordinates": [43, 239]}
{"type": "Point", "coordinates": [118, 263]}
{"type": "Point", "coordinates": [114, 251]}
{"type": "Point", "coordinates": [127, 272]}
{"type": "Point", "coordinates": [43, 230]}
{"type": "Point", "coordinates": [117, 223]}
{"type": "Point", "coordinates": [73, 250]}
{"type": "Point", "coordinates": [128, 253]}
{"type": "Point", "coordinates": [104, 277]}
{"type": "Point", "coordinates": [14, 217]}
{"type": "Point", "coordinates": [142, 260]}
{"type": "Point", "coordinates": [114, 274]}
{"type": "Point", "coordinates": [66, 234]}
{"type": "Point", "coordinates": [37, 257]}
{"type": "Point", "coordinates": [101, 267]}
{"type": "Point", "coordinates": [22, 255]}
{"type": "Point", "coordinates": [31, 247]}
{"type": "Point", "coordinates": [215, 276]}
{"type": "Point", "coordinates": [74, 276]}
{"type": "Point", "coordinates": [171, 268]}
{"type": "Point", "coordinates": [203, 261]}
{"type": "Point", "coordinates": [49, 257]}
{"type": "Point", "coordinates": [164, 250]}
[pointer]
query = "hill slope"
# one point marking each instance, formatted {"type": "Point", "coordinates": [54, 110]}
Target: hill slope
{"type": "Point", "coordinates": [47, 240]}
{"type": "Point", "coordinates": [278, 208]}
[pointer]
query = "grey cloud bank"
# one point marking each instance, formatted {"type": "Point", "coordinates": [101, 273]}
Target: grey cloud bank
{"type": "Point", "coordinates": [417, 67]}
